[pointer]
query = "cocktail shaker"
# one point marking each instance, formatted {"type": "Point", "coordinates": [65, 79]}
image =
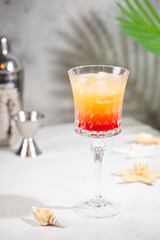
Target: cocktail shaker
{"type": "Point", "coordinates": [11, 82]}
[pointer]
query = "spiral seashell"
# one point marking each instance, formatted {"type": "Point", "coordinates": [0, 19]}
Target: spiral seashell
{"type": "Point", "coordinates": [44, 216]}
{"type": "Point", "coordinates": [53, 220]}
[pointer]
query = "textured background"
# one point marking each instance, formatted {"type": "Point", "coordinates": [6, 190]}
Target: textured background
{"type": "Point", "coordinates": [51, 36]}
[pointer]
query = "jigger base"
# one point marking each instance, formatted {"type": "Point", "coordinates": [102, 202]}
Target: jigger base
{"type": "Point", "coordinates": [28, 148]}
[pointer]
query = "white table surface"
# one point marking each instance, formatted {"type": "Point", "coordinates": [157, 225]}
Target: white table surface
{"type": "Point", "coordinates": [62, 175]}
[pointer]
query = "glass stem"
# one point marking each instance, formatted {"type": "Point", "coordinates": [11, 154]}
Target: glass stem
{"type": "Point", "coordinates": [98, 147]}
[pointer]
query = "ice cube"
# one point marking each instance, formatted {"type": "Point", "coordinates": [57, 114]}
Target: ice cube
{"type": "Point", "coordinates": [109, 76]}
{"type": "Point", "coordinates": [102, 75]}
{"type": "Point", "coordinates": [100, 82]}
{"type": "Point", "coordinates": [101, 78]}
{"type": "Point", "coordinates": [117, 78]}
{"type": "Point", "coordinates": [82, 79]}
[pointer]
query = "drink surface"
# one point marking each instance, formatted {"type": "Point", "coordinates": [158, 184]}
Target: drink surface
{"type": "Point", "coordinates": [98, 101]}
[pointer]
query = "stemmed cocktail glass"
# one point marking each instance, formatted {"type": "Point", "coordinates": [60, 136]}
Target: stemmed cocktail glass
{"type": "Point", "coordinates": [98, 92]}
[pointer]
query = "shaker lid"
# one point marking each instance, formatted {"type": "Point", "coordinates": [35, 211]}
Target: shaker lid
{"type": "Point", "coordinates": [4, 45]}
{"type": "Point", "coordinates": [8, 62]}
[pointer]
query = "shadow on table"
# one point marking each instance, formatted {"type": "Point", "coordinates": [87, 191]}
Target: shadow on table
{"type": "Point", "coordinates": [16, 206]}
{"type": "Point", "coordinates": [20, 207]}
{"type": "Point", "coordinates": [7, 149]}
{"type": "Point", "coordinates": [58, 207]}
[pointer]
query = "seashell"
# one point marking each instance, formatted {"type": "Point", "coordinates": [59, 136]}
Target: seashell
{"type": "Point", "coordinates": [146, 138]}
{"type": "Point", "coordinates": [44, 216]}
{"type": "Point", "coordinates": [136, 150]}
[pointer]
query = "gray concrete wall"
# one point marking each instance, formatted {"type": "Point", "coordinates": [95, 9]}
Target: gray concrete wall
{"type": "Point", "coordinates": [51, 36]}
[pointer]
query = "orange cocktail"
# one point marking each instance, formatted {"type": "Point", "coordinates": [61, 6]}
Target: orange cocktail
{"type": "Point", "coordinates": [98, 99]}
{"type": "Point", "coordinates": [98, 92]}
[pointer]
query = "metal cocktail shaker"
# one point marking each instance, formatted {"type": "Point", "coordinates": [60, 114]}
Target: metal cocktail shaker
{"type": "Point", "coordinates": [11, 81]}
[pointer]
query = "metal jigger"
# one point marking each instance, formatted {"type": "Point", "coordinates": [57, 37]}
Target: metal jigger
{"type": "Point", "coordinates": [28, 123]}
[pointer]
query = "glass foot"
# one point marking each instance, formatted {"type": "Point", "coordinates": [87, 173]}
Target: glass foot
{"type": "Point", "coordinates": [97, 208]}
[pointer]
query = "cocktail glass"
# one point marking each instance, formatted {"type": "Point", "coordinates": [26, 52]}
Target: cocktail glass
{"type": "Point", "coordinates": [98, 92]}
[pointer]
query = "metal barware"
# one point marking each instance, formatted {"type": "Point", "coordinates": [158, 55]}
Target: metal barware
{"type": "Point", "coordinates": [28, 123]}
{"type": "Point", "coordinates": [11, 84]}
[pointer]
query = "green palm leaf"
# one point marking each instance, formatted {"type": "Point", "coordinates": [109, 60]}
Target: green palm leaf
{"type": "Point", "coordinates": [142, 24]}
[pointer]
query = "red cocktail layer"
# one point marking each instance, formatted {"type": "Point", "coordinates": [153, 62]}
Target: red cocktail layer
{"type": "Point", "coordinates": [98, 122]}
